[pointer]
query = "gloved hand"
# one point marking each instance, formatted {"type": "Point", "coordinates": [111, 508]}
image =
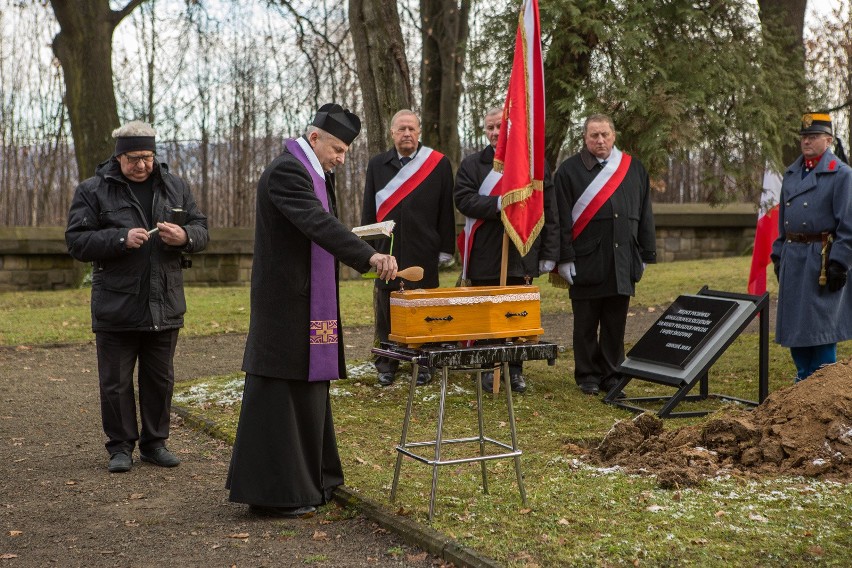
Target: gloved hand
{"type": "Point", "coordinates": [545, 266]}
{"type": "Point", "coordinates": [777, 267]}
{"type": "Point", "coordinates": [836, 274]}
{"type": "Point", "coordinates": [499, 203]}
{"type": "Point", "coordinates": [445, 259]}
{"type": "Point", "coordinates": [568, 271]}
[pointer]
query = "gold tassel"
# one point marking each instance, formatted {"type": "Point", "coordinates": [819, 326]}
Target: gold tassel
{"type": "Point", "coordinates": [557, 281]}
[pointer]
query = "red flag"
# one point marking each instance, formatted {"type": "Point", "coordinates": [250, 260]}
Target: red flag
{"type": "Point", "coordinates": [520, 147]}
{"type": "Point", "coordinates": [766, 233]}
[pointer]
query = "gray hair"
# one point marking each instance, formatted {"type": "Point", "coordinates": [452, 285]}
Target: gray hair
{"type": "Point", "coordinates": [491, 112]}
{"type": "Point", "coordinates": [598, 118]}
{"type": "Point", "coordinates": [311, 129]}
{"type": "Point", "coordinates": [404, 112]}
{"type": "Point", "coordinates": [133, 129]}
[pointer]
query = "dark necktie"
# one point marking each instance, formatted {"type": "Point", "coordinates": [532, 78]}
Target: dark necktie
{"type": "Point", "coordinates": [404, 160]}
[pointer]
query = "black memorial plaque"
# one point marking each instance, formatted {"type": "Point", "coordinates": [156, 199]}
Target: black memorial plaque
{"type": "Point", "coordinates": [684, 327]}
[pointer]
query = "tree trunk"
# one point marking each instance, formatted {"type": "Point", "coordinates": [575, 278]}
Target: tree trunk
{"type": "Point", "coordinates": [84, 49]}
{"type": "Point", "coordinates": [382, 68]}
{"type": "Point", "coordinates": [783, 23]}
{"type": "Point", "coordinates": [445, 29]}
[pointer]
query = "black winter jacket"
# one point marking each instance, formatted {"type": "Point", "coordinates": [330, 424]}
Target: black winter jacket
{"type": "Point", "coordinates": [487, 252]}
{"type": "Point", "coordinates": [102, 212]}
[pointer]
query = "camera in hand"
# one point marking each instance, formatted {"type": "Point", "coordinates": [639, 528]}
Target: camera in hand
{"type": "Point", "coordinates": [177, 216]}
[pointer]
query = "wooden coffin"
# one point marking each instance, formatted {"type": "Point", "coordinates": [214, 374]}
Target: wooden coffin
{"type": "Point", "coordinates": [458, 314]}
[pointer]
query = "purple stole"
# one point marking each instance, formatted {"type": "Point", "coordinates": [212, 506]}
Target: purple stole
{"type": "Point", "coordinates": [323, 334]}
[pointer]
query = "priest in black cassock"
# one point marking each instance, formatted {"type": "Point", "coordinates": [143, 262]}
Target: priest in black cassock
{"type": "Point", "coordinates": [285, 459]}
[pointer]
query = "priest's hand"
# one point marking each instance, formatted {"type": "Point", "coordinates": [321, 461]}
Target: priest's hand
{"type": "Point", "coordinates": [385, 266]}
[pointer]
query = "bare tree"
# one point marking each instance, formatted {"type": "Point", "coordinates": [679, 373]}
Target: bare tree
{"type": "Point", "coordinates": [444, 33]}
{"type": "Point", "coordinates": [382, 68]}
{"type": "Point", "coordinates": [84, 48]}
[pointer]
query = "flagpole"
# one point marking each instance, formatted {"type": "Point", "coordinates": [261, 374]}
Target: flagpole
{"type": "Point", "coordinates": [504, 260]}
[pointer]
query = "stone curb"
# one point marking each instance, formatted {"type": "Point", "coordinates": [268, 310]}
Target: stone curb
{"type": "Point", "coordinates": [412, 532]}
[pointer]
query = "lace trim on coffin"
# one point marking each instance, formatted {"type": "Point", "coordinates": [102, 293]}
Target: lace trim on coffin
{"type": "Point", "coordinates": [465, 300]}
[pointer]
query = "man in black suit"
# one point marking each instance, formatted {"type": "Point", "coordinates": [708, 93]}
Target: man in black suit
{"type": "Point", "coordinates": [412, 185]}
{"type": "Point", "coordinates": [285, 459]}
{"type": "Point", "coordinates": [608, 237]}
{"type": "Point", "coordinates": [477, 196]}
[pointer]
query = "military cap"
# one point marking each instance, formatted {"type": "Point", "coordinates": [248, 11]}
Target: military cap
{"type": "Point", "coordinates": [816, 123]}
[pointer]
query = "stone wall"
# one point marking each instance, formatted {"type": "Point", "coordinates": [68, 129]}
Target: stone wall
{"type": "Point", "coordinates": [35, 258]}
{"type": "Point", "coordinates": [694, 231]}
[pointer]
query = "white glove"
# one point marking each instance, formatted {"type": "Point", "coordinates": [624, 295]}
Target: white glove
{"type": "Point", "coordinates": [445, 259]}
{"type": "Point", "coordinates": [499, 203]}
{"type": "Point", "coordinates": [545, 266]}
{"type": "Point", "coordinates": [568, 271]}
{"type": "Point", "coordinates": [644, 266]}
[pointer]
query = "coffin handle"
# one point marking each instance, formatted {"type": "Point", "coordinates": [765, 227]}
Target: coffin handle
{"type": "Point", "coordinates": [445, 318]}
{"type": "Point", "coordinates": [522, 314]}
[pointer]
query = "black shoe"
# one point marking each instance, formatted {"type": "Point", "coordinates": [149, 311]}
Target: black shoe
{"type": "Point", "coordinates": [424, 377]}
{"type": "Point", "coordinates": [160, 456]}
{"type": "Point", "coordinates": [519, 384]}
{"type": "Point", "coordinates": [386, 379]}
{"type": "Point", "coordinates": [286, 512]}
{"type": "Point", "coordinates": [589, 388]}
{"type": "Point", "coordinates": [119, 462]}
{"type": "Point", "coordinates": [610, 385]}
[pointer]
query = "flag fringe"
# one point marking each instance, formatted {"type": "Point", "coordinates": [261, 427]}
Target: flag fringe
{"type": "Point", "coordinates": [523, 248]}
{"type": "Point", "coordinates": [557, 281]}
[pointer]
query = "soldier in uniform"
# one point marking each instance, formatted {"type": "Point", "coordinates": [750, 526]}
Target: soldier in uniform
{"type": "Point", "coordinates": [813, 252]}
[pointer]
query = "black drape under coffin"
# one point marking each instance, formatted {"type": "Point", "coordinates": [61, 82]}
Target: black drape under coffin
{"type": "Point", "coordinates": [285, 453]}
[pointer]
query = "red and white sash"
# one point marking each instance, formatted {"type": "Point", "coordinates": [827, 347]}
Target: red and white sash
{"type": "Point", "coordinates": [489, 185]}
{"type": "Point", "coordinates": [601, 189]}
{"type": "Point", "coordinates": [406, 180]}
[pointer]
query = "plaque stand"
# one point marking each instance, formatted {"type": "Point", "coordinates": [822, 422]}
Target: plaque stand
{"type": "Point", "coordinates": [683, 380]}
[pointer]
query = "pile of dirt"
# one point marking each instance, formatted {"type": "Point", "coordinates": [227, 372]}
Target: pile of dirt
{"type": "Point", "coordinates": [805, 429]}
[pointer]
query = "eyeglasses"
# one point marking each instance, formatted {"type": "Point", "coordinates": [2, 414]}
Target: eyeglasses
{"type": "Point", "coordinates": [134, 160]}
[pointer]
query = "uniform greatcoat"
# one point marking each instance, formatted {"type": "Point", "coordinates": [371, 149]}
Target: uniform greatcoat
{"type": "Point", "coordinates": [809, 314]}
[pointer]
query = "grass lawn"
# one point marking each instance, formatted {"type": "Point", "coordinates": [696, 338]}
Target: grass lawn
{"type": "Point", "coordinates": [577, 515]}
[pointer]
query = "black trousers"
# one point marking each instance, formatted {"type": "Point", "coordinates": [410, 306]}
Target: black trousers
{"type": "Point", "coordinates": [381, 307]}
{"type": "Point", "coordinates": [599, 338]}
{"type": "Point", "coordinates": [118, 353]}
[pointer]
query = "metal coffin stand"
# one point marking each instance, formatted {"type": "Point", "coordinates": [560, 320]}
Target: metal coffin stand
{"type": "Point", "coordinates": [684, 380]}
{"type": "Point", "coordinates": [478, 358]}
